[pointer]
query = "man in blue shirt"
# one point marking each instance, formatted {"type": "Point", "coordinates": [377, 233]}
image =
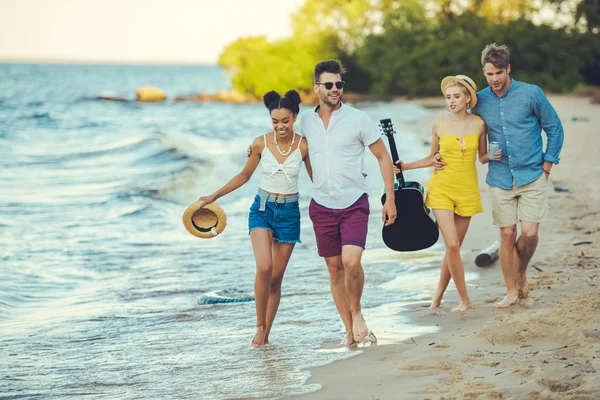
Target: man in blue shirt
{"type": "Point", "coordinates": [515, 114]}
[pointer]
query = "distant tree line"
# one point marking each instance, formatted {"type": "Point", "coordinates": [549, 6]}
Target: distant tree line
{"type": "Point", "coordinates": [405, 47]}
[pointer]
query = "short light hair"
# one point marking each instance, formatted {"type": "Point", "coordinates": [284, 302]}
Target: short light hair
{"type": "Point", "coordinates": [497, 55]}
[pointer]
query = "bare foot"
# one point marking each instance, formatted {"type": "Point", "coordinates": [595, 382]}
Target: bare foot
{"type": "Point", "coordinates": [509, 300]}
{"type": "Point", "coordinates": [435, 303]}
{"type": "Point", "coordinates": [259, 338]}
{"type": "Point", "coordinates": [369, 340]}
{"type": "Point", "coordinates": [359, 327]}
{"type": "Point", "coordinates": [522, 286]}
{"type": "Point", "coordinates": [462, 307]}
{"type": "Point", "coordinates": [524, 292]}
{"type": "Point", "coordinates": [348, 340]}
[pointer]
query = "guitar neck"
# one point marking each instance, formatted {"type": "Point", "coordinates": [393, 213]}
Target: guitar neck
{"type": "Point", "coordinates": [388, 131]}
{"type": "Point", "coordinates": [393, 149]}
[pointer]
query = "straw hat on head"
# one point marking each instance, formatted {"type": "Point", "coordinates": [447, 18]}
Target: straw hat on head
{"type": "Point", "coordinates": [464, 81]}
{"type": "Point", "coordinates": [204, 221]}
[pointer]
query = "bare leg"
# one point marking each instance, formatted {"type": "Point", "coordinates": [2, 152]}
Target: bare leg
{"type": "Point", "coordinates": [281, 253]}
{"type": "Point", "coordinates": [261, 245]}
{"type": "Point", "coordinates": [446, 222]}
{"type": "Point", "coordinates": [355, 281]}
{"type": "Point", "coordinates": [337, 279]}
{"type": "Point", "coordinates": [442, 284]}
{"type": "Point", "coordinates": [508, 261]}
{"type": "Point", "coordinates": [462, 225]}
{"type": "Point", "coordinates": [526, 245]}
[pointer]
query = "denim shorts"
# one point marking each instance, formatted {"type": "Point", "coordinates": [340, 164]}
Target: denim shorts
{"type": "Point", "coordinates": [278, 215]}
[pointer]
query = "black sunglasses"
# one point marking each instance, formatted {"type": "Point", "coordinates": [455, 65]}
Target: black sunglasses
{"type": "Point", "coordinates": [329, 85]}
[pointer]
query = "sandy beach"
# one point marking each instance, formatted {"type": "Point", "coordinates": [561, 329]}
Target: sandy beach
{"type": "Point", "coordinates": [548, 348]}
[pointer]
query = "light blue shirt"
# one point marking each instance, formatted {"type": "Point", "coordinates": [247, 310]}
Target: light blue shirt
{"type": "Point", "coordinates": [515, 121]}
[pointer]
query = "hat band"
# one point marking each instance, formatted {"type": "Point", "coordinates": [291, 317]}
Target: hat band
{"type": "Point", "coordinates": [469, 83]}
{"type": "Point", "coordinates": [212, 229]}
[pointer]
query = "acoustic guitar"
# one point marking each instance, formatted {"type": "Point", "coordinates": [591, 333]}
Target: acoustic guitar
{"type": "Point", "coordinates": [415, 227]}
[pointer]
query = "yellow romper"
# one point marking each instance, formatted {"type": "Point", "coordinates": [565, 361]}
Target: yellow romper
{"type": "Point", "coordinates": [456, 188]}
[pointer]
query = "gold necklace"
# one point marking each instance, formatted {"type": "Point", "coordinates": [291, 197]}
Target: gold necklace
{"type": "Point", "coordinates": [283, 153]}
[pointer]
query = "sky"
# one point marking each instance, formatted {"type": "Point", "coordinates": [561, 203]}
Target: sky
{"type": "Point", "coordinates": [137, 31]}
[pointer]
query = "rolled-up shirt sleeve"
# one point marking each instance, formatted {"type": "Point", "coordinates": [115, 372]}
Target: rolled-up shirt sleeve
{"type": "Point", "coordinates": [369, 133]}
{"type": "Point", "coordinates": [551, 124]}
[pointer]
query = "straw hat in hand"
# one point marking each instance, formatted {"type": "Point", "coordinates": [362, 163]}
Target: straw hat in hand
{"type": "Point", "coordinates": [204, 221]}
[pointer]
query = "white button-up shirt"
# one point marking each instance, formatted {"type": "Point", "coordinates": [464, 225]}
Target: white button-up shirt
{"type": "Point", "coordinates": [337, 154]}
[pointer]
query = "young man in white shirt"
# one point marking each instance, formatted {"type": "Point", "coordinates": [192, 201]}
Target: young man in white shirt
{"type": "Point", "coordinates": [337, 136]}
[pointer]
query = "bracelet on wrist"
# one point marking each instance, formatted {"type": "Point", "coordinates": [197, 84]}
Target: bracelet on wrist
{"type": "Point", "coordinates": [548, 172]}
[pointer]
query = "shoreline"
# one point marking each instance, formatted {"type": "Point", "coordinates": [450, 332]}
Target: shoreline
{"type": "Point", "coordinates": [309, 98]}
{"type": "Point", "coordinates": [548, 348]}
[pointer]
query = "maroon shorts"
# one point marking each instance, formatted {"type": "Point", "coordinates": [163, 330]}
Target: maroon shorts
{"type": "Point", "coordinates": [337, 228]}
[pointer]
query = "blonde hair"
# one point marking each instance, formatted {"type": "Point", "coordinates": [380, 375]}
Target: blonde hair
{"type": "Point", "coordinates": [463, 88]}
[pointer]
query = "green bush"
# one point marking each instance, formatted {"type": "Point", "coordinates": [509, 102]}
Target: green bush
{"type": "Point", "coordinates": [413, 52]}
{"type": "Point", "coordinates": [413, 60]}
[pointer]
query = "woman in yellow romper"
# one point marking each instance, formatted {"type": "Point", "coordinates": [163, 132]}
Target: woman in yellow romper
{"type": "Point", "coordinates": [453, 193]}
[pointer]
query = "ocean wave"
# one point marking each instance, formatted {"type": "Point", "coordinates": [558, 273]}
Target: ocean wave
{"type": "Point", "coordinates": [95, 256]}
{"type": "Point", "coordinates": [38, 116]}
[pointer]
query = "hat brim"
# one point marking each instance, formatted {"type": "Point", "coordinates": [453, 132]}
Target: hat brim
{"type": "Point", "coordinates": [197, 213]}
{"type": "Point", "coordinates": [462, 82]}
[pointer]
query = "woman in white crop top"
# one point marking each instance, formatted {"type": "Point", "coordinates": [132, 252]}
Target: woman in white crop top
{"type": "Point", "coordinates": [274, 220]}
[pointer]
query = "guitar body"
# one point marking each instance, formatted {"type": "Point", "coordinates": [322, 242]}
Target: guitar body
{"type": "Point", "coordinates": [415, 227]}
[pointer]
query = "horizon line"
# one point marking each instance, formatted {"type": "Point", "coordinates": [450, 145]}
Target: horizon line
{"type": "Point", "coordinates": [24, 60]}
